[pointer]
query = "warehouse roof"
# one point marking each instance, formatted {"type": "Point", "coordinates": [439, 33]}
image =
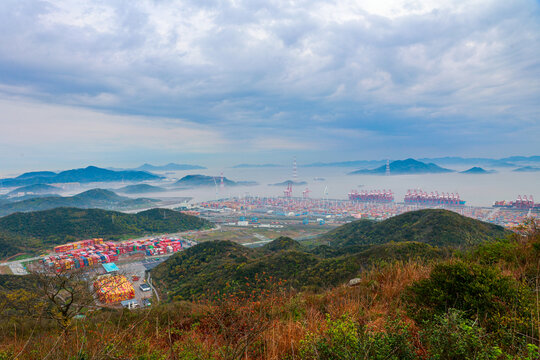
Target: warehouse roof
{"type": "Point", "coordinates": [110, 267]}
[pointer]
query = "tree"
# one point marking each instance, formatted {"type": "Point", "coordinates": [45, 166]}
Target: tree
{"type": "Point", "coordinates": [64, 294]}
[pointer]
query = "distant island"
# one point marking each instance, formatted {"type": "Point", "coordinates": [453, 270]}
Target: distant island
{"type": "Point", "coordinates": [240, 166]}
{"type": "Point", "coordinates": [527, 169]}
{"type": "Point", "coordinates": [140, 189]}
{"type": "Point", "coordinates": [83, 175]}
{"type": "Point", "coordinates": [476, 162]}
{"type": "Point", "coordinates": [169, 167]}
{"type": "Point", "coordinates": [205, 180]}
{"type": "Point", "coordinates": [404, 167]}
{"type": "Point", "coordinates": [287, 182]}
{"type": "Point", "coordinates": [447, 160]}
{"type": "Point", "coordinates": [95, 198]}
{"type": "Point", "coordinates": [477, 170]}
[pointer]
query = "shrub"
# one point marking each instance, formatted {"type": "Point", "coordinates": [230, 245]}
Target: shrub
{"type": "Point", "coordinates": [345, 339]}
{"type": "Point", "coordinates": [452, 336]}
{"type": "Point", "coordinates": [500, 303]}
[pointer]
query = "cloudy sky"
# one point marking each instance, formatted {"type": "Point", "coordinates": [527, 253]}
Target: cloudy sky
{"type": "Point", "coordinates": [119, 82]}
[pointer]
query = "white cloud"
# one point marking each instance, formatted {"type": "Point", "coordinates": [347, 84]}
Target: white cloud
{"type": "Point", "coordinates": [267, 70]}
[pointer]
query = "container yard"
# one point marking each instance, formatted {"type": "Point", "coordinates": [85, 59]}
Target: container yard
{"type": "Point", "coordinates": [369, 204]}
{"type": "Point", "coordinates": [88, 253]}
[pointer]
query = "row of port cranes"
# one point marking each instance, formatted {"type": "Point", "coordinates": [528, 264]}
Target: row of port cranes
{"type": "Point", "coordinates": [383, 196]}
{"type": "Point", "coordinates": [521, 203]}
{"type": "Point", "coordinates": [418, 196]}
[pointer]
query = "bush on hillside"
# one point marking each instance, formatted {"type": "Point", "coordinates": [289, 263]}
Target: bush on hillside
{"type": "Point", "coordinates": [498, 302]}
{"type": "Point", "coordinates": [452, 336]}
{"type": "Point", "coordinates": [345, 339]}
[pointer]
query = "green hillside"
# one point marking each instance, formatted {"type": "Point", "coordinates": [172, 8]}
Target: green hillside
{"type": "Point", "coordinates": [34, 231]}
{"type": "Point", "coordinates": [434, 227]}
{"type": "Point", "coordinates": [225, 266]}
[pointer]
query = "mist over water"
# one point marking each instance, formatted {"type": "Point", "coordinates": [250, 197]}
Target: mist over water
{"type": "Point", "coordinates": [477, 190]}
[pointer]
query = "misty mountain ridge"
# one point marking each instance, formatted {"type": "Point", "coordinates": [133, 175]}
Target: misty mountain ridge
{"type": "Point", "coordinates": [82, 175]}
{"type": "Point", "coordinates": [95, 198]}
{"type": "Point", "coordinates": [404, 167]}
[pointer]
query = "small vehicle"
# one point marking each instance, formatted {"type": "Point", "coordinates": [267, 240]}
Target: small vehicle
{"type": "Point", "coordinates": [135, 278]}
{"type": "Point", "coordinates": [145, 287]}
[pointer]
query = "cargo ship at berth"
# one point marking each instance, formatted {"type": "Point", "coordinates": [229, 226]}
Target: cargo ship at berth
{"type": "Point", "coordinates": [419, 197]}
{"type": "Point", "coordinates": [378, 196]}
{"type": "Point", "coordinates": [521, 203]}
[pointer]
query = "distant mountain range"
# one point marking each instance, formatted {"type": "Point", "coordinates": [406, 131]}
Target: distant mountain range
{"type": "Point", "coordinates": [84, 175]}
{"type": "Point", "coordinates": [95, 198]}
{"type": "Point", "coordinates": [527, 169]}
{"type": "Point", "coordinates": [477, 170]}
{"type": "Point", "coordinates": [169, 167]}
{"type": "Point", "coordinates": [455, 160]}
{"type": "Point", "coordinates": [449, 160]}
{"type": "Point", "coordinates": [287, 182]}
{"type": "Point", "coordinates": [404, 167]}
{"type": "Point", "coordinates": [522, 159]}
{"type": "Point", "coordinates": [240, 166]}
{"type": "Point", "coordinates": [197, 180]}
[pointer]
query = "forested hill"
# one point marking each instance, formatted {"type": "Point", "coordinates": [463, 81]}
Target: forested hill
{"type": "Point", "coordinates": [432, 226]}
{"type": "Point", "coordinates": [30, 232]}
{"type": "Point", "coordinates": [221, 266]}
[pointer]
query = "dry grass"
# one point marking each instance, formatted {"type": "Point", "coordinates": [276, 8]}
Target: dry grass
{"type": "Point", "coordinates": [271, 326]}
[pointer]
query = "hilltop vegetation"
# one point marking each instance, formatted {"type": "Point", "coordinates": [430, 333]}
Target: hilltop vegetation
{"type": "Point", "coordinates": [434, 227]}
{"type": "Point", "coordinates": [425, 234]}
{"type": "Point", "coordinates": [226, 266]}
{"type": "Point", "coordinates": [34, 231]}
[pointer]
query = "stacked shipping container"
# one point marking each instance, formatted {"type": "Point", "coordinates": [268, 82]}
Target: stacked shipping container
{"type": "Point", "coordinates": [112, 289]}
{"type": "Point", "coordinates": [97, 251]}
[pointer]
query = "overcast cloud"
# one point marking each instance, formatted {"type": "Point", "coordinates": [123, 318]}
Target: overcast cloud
{"type": "Point", "coordinates": [350, 79]}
